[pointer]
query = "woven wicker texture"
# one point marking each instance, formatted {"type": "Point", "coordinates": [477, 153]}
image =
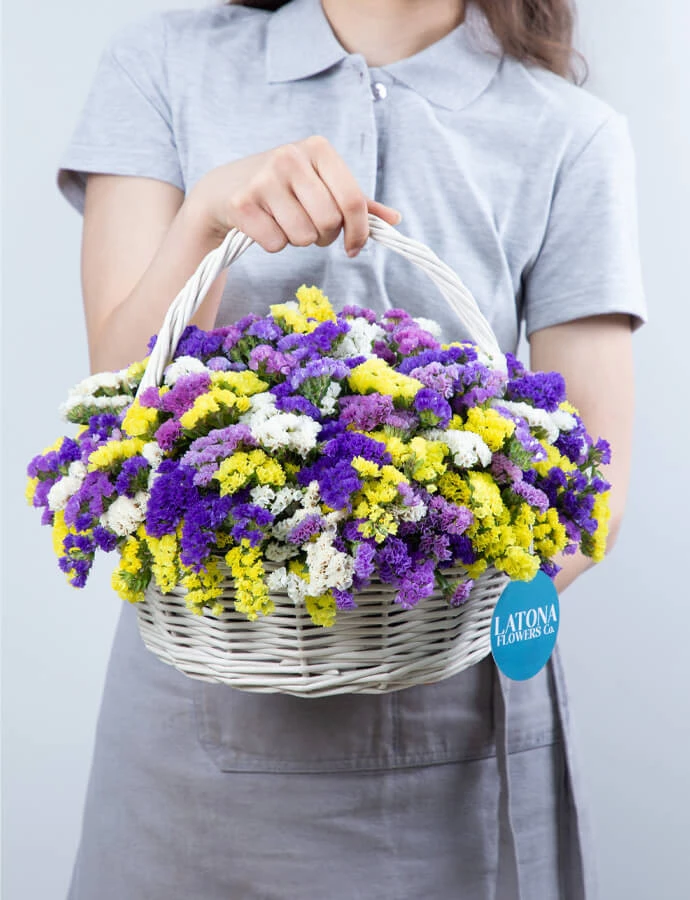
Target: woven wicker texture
{"type": "Point", "coordinates": [375, 648]}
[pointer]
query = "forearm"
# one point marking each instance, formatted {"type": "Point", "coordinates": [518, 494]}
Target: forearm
{"type": "Point", "coordinates": [125, 333]}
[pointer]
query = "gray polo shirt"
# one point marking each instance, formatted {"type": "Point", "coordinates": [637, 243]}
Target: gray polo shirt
{"type": "Point", "coordinates": [520, 181]}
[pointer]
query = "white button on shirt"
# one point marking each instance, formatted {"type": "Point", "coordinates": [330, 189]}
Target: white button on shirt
{"type": "Point", "coordinates": [519, 180]}
{"type": "Point", "coordinates": [379, 90]}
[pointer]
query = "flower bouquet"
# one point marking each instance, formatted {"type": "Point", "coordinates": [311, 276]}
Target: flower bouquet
{"type": "Point", "coordinates": [315, 467]}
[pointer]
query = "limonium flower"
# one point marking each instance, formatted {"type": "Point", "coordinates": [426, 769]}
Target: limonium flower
{"type": "Point", "coordinates": [309, 454]}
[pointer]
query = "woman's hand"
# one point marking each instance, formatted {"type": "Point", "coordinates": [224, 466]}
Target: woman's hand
{"type": "Point", "coordinates": [301, 194]}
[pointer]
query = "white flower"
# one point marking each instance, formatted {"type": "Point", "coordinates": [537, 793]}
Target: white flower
{"type": "Point", "coordinates": [280, 530]}
{"type": "Point", "coordinates": [287, 431]}
{"type": "Point", "coordinates": [328, 404]}
{"type": "Point", "coordinates": [359, 339]}
{"type": "Point", "coordinates": [284, 498]}
{"type": "Point", "coordinates": [283, 582]}
{"type": "Point", "coordinates": [411, 513]}
{"type": "Point", "coordinates": [62, 490]}
{"type": "Point", "coordinates": [184, 365]}
{"type": "Point", "coordinates": [278, 552]}
{"type": "Point", "coordinates": [277, 580]}
{"type": "Point", "coordinates": [105, 404]}
{"type": "Point", "coordinates": [535, 418]}
{"type": "Point", "coordinates": [429, 325]}
{"type": "Point", "coordinates": [466, 447]}
{"type": "Point", "coordinates": [263, 408]}
{"type": "Point", "coordinates": [563, 420]}
{"type": "Point", "coordinates": [328, 567]}
{"type": "Point", "coordinates": [262, 495]}
{"type": "Point", "coordinates": [311, 497]}
{"type": "Point", "coordinates": [152, 453]}
{"type": "Point", "coordinates": [77, 469]}
{"type": "Point", "coordinates": [125, 514]}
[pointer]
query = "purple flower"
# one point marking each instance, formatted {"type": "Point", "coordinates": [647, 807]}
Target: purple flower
{"type": "Point", "coordinates": [265, 359]}
{"type": "Point", "coordinates": [185, 391]}
{"type": "Point", "coordinates": [413, 339]}
{"type": "Point", "coordinates": [574, 444]}
{"type": "Point", "coordinates": [173, 495]}
{"type": "Point", "coordinates": [438, 377]}
{"type": "Point", "coordinates": [545, 390]}
{"type": "Point", "coordinates": [344, 599]}
{"type": "Point", "coordinates": [462, 592]}
{"type": "Point", "coordinates": [392, 560]}
{"type": "Point", "coordinates": [198, 343]}
{"type": "Point", "coordinates": [266, 329]}
{"type": "Point", "coordinates": [219, 364]}
{"type": "Point", "coordinates": [433, 409]}
{"type": "Point", "coordinates": [417, 584]}
{"type": "Point", "coordinates": [168, 433]}
{"type": "Point", "coordinates": [150, 397]}
{"type": "Point", "coordinates": [366, 412]}
{"type": "Point", "coordinates": [505, 470]}
{"type": "Point", "coordinates": [550, 568]}
{"type": "Point", "coordinates": [299, 404]}
{"type": "Point", "coordinates": [603, 449]}
{"type": "Point", "coordinates": [310, 526]}
{"type": "Point", "coordinates": [359, 312]}
{"type": "Point", "coordinates": [130, 479]}
{"type": "Point", "coordinates": [532, 495]}
{"type": "Point", "coordinates": [104, 539]}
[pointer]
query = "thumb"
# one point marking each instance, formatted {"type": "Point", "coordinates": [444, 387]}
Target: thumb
{"type": "Point", "coordinates": [387, 213]}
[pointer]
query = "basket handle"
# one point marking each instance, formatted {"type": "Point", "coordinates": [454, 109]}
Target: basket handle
{"type": "Point", "coordinates": [191, 296]}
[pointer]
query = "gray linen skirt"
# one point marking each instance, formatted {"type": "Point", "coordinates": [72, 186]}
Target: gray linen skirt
{"type": "Point", "coordinates": [465, 789]}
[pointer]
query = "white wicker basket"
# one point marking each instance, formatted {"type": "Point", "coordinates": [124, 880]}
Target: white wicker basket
{"type": "Point", "coordinates": [375, 648]}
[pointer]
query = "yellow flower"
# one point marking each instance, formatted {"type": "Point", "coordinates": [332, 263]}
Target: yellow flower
{"type": "Point", "coordinates": [518, 564]}
{"type": "Point", "coordinates": [30, 490]}
{"type": "Point", "coordinates": [601, 511]}
{"type": "Point", "coordinates": [245, 383]}
{"type": "Point", "coordinates": [454, 488]}
{"type": "Point", "coordinates": [365, 467]}
{"type": "Point", "coordinates": [202, 586]}
{"type": "Point", "coordinates": [490, 425]}
{"type": "Point", "coordinates": [321, 609]}
{"type": "Point", "coordinates": [379, 524]}
{"type": "Point", "coordinates": [550, 536]}
{"type": "Point", "coordinates": [137, 369]}
{"type": "Point", "coordinates": [427, 457]}
{"type": "Point", "coordinates": [476, 569]}
{"type": "Point", "coordinates": [485, 497]}
{"type": "Point", "coordinates": [215, 401]}
{"type": "Point", "coordinates": [114, 452]}
{"type": "Point", "coordinates": [59, 532]}
{"type": "Point", "coordinates": [140, 421]}
{"type": "Point", "coordinates": [375, 375]}
{"type": "Point", "coordinates": [165, 568]}
{"type": "Point", "coordinates": [293, 318]}
{"type": "Point", "coordinates": [522, 526]}
{"type": "Point", "coordinates": [270, 472]}
{"type": "Point", "coordinates": [554, 460]}
{"type": "Point", "coordinates": [314, 304]}
{"type": "Point", "coordinates": [123, 578]}
{"type": "Point", "coordinates": [251, 593]}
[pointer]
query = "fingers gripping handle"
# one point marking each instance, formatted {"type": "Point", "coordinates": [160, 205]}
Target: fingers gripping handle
{"type": "Point", "coordinates": [192, 295]}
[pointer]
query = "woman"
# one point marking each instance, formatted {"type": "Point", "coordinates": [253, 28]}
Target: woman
{"type": "Point", "coordinates": [292, 125]}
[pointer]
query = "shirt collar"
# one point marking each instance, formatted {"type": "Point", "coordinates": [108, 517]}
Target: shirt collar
{"type": "Point", "coordinates": [450, 73]}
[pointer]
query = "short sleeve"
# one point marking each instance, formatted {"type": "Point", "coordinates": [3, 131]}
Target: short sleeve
{"type": "Point", "coordinates": [125, 126]}
{"type": "Point", "coordinates": [589, 261]}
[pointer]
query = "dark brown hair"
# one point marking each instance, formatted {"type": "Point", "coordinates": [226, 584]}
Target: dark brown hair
{"type": "Point", "coordinates": [534, 31]}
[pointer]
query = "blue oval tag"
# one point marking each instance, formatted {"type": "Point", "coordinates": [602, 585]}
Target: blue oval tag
{"type": "Point", "coordinates": [524, 626]}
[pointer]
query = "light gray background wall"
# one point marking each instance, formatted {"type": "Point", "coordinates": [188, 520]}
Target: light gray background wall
{"type": "Point", "coordinates": [625, 625]}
